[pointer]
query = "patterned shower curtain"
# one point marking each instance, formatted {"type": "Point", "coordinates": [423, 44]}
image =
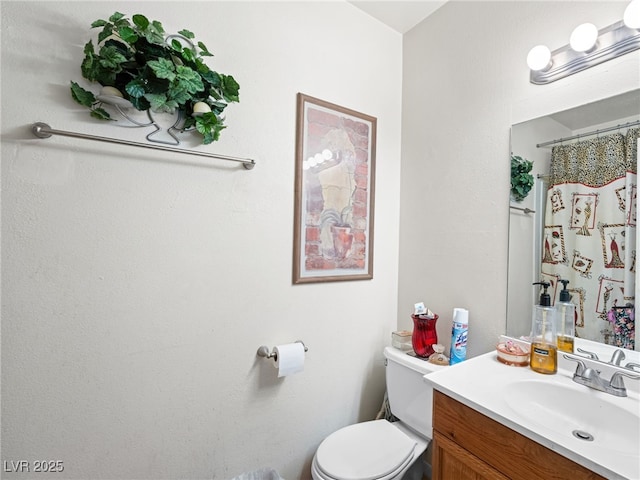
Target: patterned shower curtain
{"type": "Point", "coordinates": [590, 231]}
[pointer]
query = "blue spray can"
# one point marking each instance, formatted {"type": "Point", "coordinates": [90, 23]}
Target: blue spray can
{"type": "Point", "coordinates": [459, 331]}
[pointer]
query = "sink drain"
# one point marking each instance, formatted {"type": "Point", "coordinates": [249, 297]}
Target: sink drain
{"type": "Point", "coordinates": [582, 435]}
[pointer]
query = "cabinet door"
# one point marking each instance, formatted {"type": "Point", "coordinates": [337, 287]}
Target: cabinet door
{"type": "Point", "coordinates": [450, 461]}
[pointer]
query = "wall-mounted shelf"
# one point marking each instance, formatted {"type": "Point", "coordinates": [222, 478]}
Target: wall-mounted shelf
{"type": "Point", "coordinates": [42, 130]}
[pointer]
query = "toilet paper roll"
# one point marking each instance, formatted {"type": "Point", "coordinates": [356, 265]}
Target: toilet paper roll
{"type": "Point", "coordinates": [290, 358]}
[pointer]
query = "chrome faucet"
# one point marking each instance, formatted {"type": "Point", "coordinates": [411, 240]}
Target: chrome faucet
{"type": "Point", "coordinates": [591, 378]}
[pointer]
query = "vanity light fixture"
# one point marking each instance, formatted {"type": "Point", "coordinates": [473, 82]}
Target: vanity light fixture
{"type": "Point", "coordinates": [587, 47]}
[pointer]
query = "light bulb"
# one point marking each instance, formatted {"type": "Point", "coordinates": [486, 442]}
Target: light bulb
{"type": "Point", "coordinates": [632, 15]}
{"type": "Point", "coordinates": [584, 37]}
{"type": "Point", "coordinates": [539, 58]}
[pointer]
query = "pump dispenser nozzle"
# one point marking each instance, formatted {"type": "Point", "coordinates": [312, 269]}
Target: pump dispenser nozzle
{"type": "Point", "coordinates": [565, 296]}
{"type": "Point", "coordinates": [545, 298]}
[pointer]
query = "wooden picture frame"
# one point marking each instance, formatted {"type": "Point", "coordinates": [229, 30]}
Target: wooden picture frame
{"type": "Point", "coordinates": [334, 193]}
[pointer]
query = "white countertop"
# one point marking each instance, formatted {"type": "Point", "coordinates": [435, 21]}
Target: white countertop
{"type": "Point", "coordinates": [482, 382]}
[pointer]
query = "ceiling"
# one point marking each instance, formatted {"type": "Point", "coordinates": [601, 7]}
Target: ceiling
{"type": "Point", "coordinates": [400, 15]}
{"type": "Point", "coordinates": [602, 111]}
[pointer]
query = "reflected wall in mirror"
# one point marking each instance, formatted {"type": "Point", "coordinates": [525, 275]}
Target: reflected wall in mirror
{"type": "Point", "coordinates": [578, 222]}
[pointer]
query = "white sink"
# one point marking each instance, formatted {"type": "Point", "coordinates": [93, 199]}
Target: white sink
{"type": "Point", "coordinates": [605, 421]}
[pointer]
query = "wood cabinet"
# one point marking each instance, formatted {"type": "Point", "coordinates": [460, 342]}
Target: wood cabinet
{"type": "Point", "coordinates": [468, 445]}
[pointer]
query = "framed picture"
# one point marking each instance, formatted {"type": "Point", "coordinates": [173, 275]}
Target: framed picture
{"type": "Point", "coordinates": [334, 193]}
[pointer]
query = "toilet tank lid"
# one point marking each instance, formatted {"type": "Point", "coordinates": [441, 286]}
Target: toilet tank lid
{"type": "Point", "coordinates": [410, 361]}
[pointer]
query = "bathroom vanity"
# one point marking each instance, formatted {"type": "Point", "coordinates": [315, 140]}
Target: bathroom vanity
{"type": "Point", "coordinates": [494, 421]}
{"type": "Point", "coordinates": [469, 445]}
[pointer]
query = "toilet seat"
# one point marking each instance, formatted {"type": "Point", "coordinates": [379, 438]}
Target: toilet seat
{"type": "Point", "coordinates": [375, 450]}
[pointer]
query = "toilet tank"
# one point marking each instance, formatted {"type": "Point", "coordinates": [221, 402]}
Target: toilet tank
{"type": "Point", "coordinates": [410, 397]}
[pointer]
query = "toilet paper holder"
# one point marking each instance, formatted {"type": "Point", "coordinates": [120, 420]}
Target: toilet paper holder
{"type": "Point", "coordinates": [263, 351]}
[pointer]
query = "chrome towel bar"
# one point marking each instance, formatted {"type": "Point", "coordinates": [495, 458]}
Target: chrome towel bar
{"type": "Point", "coordinates": [42, 130]}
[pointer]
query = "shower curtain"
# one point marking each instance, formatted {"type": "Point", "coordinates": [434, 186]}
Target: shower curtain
{"type": "Point", "coordinates": [590, 230]}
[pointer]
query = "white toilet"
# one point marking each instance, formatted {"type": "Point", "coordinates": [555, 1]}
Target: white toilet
{"type": "Point", "coordinates": [382, 450]}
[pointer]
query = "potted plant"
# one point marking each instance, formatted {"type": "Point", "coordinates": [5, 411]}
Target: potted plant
{"type": "Point", "coordinates": [521, 178]}
{"type": "Point", "coordinates": [135, 63]}
{"type": "Point", "coordinates": [340, 229]}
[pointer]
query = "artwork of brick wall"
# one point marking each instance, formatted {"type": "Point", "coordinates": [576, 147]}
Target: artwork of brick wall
{"type": "Point", "coordinates": [348, 141]}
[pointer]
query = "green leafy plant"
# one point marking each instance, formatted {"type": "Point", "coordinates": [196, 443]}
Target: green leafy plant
{"type": "Point", "coordinates": [151, 72]}
{"type": "Point", "coordinates": [521, 178]}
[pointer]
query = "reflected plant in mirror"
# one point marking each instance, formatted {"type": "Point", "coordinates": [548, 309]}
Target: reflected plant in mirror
{"type": "Point", "coordinates": [521, 178]}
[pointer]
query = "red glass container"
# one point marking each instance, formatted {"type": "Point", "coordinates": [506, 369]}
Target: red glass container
{"type": "Point", "coordinates": [424, 335]}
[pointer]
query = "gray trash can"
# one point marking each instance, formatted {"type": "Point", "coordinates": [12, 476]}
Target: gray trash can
{"type": "Point", "coordinates": [261, 474]}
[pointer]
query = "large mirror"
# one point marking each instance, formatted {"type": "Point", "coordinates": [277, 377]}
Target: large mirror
{"type": "Point", "coordinates": [539, 250]}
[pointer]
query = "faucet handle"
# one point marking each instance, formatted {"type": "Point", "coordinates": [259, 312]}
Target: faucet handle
{"type": "Point", "coordinates": [591, 355]}
{"type": "Point", "coordinates": [618, 382]}
{"type": "Point", "coordinates": [580, 367]}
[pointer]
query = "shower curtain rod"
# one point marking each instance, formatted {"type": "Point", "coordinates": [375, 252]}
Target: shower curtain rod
{"type": "Point", "coordinates": [603, 130]}
{"type": "Point", "coordinates": [42, 130]}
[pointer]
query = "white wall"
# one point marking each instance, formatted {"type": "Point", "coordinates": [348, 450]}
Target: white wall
{"type": "Point", "coordinates": [138, 285]}
{"type": "Point", "coordinates": [465, 83]}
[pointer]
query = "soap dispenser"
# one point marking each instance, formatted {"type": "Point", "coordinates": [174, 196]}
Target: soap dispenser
{"type": "Point", "coordinates": [544, 349]}
{"type": "Point", "coordinates": [566, 312]}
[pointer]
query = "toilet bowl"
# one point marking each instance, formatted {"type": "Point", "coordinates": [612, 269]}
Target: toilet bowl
{"type": "Point", "coordinates": [379, 449]}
